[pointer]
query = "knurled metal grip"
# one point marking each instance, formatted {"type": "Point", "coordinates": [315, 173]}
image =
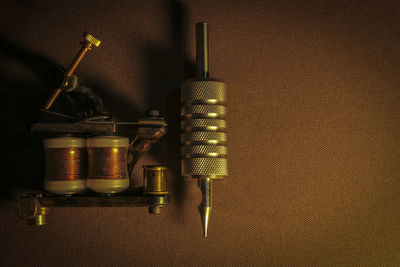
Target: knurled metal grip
{"type": "Point", "coordinates": [203, 151]}
{"type": "Point", "coordinates": [207, 91]}
{"type": "Point", "coordinates": [207, 138]}
{"type": "Point", "coordinates": [203, 127]}
{"type": "Point", "coordinates": [204, 111]}
{"type": "Point", "coordinates": [214, 168]}
{"type": "Point", "coordinates": [205, 124]}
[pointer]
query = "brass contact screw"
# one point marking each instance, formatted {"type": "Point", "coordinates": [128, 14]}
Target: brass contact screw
{"type": "Point", "coordinates": [87, 44]}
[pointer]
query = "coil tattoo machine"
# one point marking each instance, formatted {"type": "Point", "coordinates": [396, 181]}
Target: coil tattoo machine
{"type": "Point", "coordinates": [89, 156]}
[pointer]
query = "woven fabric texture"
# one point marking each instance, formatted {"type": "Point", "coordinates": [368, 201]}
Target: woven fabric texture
{"type": "Point", "coordinates": [313, 130]}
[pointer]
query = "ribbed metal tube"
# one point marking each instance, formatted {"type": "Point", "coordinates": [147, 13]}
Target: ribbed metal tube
{"type": "Point", "coordinates": [203, 127]}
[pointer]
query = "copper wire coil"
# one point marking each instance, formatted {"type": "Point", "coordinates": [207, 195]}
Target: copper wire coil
{"type": "Point", "coordinates": [107, 163]}
{"type": "Point", "coordinates": [65, 164]}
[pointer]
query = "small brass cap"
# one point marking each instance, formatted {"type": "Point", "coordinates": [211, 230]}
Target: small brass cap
{"type": "Point", "coordinates": [41, 217]}
{"type": "Point", "coordinates": [91, 39]}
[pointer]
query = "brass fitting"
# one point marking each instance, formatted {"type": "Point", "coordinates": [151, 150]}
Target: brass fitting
{"type": "Point", "coordinates": [30, 209]}
{"type": "Point", "coordinates": [154, 180]}
{"type": "Point", "coordinates": [155, 183]}
{"type": "Point", "coordinates": [41, 217]}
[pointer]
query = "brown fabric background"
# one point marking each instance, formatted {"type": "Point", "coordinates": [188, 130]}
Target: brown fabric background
{"type": "Point", "coordinates": [314, 123]}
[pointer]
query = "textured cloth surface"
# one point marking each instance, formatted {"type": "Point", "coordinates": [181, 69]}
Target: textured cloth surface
{"type": "Point", "coordinates": [313, 129]}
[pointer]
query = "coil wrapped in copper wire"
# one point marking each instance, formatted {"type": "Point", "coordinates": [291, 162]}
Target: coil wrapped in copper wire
{"type": "Point", "coordinates": [107, 164]}
{"type": "Point", "coordinates": [65, 165]}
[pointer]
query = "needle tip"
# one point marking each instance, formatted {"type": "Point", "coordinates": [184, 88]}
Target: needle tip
{"type": "Point", "coordinates": [206, 216]}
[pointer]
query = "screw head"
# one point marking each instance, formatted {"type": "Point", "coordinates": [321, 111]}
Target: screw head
{"type": "Point", "coordinates": [153, 113]}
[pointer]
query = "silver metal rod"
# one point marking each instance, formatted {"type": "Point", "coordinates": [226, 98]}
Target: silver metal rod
{"type": "Point", "coordinates": [202, 70]}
